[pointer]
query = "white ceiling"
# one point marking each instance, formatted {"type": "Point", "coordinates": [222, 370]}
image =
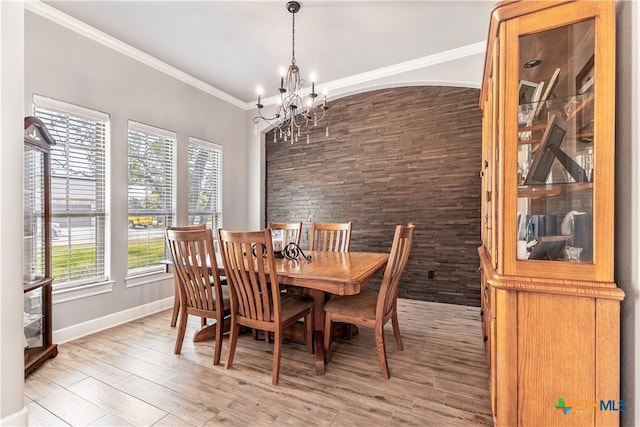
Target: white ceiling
{"type": "Point", "coordinates": [236, 46]}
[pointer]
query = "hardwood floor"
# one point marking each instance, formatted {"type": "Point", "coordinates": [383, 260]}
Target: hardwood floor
{"type": "Point", "coordinates": [128, 375]}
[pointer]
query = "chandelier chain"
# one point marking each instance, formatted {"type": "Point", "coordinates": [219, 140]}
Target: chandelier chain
{"type": "Point", "coordinates": [293, 38]}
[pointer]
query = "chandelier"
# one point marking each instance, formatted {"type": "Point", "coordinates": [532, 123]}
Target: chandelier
{"type": "Point", "coordinates": [295, 112]}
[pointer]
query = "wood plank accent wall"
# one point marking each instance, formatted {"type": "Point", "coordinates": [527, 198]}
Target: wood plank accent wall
{"type": "Point", "coordinates": [393, 156]}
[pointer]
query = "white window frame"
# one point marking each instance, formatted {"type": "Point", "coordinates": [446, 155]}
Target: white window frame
{"type": "Point", "coordinates": [215, 214]}
{"type": "Point", "coordinates": [99, 213]}
{"type": "Point", "coordinates": [160, 217]}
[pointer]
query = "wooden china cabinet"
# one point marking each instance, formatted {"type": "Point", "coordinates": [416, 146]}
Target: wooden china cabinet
{"type": "Point", "coordinates": [37, 280]}
{"type": "Point", "coordinates": [550, 307]}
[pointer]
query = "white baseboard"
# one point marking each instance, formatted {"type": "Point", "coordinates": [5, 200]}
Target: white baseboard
{"type": "Point", "coordinates": [20, 418]}
{"type": "Point", "coordinates": [70, 333]}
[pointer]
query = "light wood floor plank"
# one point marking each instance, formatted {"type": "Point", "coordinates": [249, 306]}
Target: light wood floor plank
{"type": "Point", "coordinates": [61, 402]}
{"type": "Point", "coordinates": [38, 416]}
{"type": "Point", "coordinates": [118, 403]}
{"type": "Point", "coordinates": [128, 375]}
{"type": "Point", "coordinates": [197, 410]}
{"type": "Point", "coordinates": [112, 420]}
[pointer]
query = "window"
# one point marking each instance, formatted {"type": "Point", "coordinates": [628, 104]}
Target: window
{"type": "Point", "coordinates": [78, 190]}
{"type": "Point", "coordinates": [151, 196]}
{"type": "Point", "coordinates": [205, 183]}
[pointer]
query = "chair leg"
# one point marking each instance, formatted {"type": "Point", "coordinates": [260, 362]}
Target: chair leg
{"type": "Point", "coordinates": [182, 328]}
{"type": "Point", "coordinates": [176, 310]}
{"type": "Point", "coordinates": [233, 340]}
{"type": "Point", "coordinates": [396, 330]}
{"type": "Point", "coordinates": [203, 321]}
{"type": "Point", "coordinates": [327, 335]}
{"type": "Point", "coordinates": [218, 350]}
{"type": "Point", "coordinates": [277, 350]}
{"type": "Point", "coordinates": [381, 350]}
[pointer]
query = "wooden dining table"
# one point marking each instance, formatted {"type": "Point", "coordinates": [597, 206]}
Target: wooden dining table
{"type": "Point", "coordinates": [338, 273]}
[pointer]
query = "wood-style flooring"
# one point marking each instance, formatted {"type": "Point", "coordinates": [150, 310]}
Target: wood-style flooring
{"type": "Point", "coordinates": [128, 375]}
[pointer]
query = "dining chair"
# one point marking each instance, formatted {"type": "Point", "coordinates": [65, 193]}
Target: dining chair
{"type": "Point", "coordinates": [176, 299]}
{"type": "Point", "coordinates": [256, 300]}
{"type": "Point", "coordinates": [330, 237]}
{"type": "Point", "coordinates": [200, 289]}
{"type": "Point", "coordinates": [291, 231]}
{"type": "Point", "coordinates": [374, 309]}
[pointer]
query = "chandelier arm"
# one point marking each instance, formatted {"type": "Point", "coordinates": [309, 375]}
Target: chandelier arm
{"type": "Point", "coordinates": [300, 121]}
{"type": "Point", "coordinates": [269, 120]}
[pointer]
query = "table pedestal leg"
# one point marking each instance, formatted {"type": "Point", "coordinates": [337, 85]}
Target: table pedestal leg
{"type": "Point", "coordinates": [318, 328]}
{"type": "Point", "coordinates": [208, 332]}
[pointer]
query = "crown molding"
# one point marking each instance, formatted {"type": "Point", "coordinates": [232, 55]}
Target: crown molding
{"type": "Point", "coordinates": [98, 36]}
{"type": "Point", "coordinates": [341, 87]}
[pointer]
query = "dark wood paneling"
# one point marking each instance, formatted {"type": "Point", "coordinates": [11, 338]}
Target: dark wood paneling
{"type": "Point", "coordinates": [393, 156]}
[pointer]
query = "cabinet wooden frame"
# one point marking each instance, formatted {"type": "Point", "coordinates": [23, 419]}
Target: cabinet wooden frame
{"type": "Point", "coordinates": [552, 328]}
{"type": "Point", "coordinates": [38, 139]}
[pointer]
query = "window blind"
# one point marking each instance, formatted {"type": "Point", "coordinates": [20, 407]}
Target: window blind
{"type": "Point", "coordinates": [78, 190]}
{"type": "Point", "coordinates": [205, 183]}
{"type": "Point", "coordinates": [151, 195]}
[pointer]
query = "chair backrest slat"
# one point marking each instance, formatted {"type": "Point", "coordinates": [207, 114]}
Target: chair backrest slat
{"type": "Point", "coordinates": [400, 249]}
{"type": "Point", "coordinates": [330, 237]}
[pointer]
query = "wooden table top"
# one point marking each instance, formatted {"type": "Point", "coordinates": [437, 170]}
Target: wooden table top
{"type": "Point", "coordinates": [340, 273]}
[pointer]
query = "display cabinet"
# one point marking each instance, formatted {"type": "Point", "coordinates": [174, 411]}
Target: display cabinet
{"type": "Point", "coordinates": [550, 306]}
{"type": "Point", "coordinates": [37, 280]}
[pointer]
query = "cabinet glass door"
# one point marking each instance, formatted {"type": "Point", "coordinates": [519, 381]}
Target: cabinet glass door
{"type": "Point", "coordinates": [555, 153]}
{"type": "Point", "coordinates": [33, 211]}
{"type": "Point", "coordinates": [33, 318]}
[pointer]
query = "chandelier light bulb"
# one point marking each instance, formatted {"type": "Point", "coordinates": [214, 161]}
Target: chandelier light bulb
{"type": "Point", "coordinates": [313, 84]}
{"type": "Point", "coordinates": [259, 105]}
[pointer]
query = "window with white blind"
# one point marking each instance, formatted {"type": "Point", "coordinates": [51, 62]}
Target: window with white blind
{"type": "Point", "coordinates": [205, 183]}
{"type": "Point", "coordinates": [78, 189]}
{"type": "Point", "coordinates": [151, 195]}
